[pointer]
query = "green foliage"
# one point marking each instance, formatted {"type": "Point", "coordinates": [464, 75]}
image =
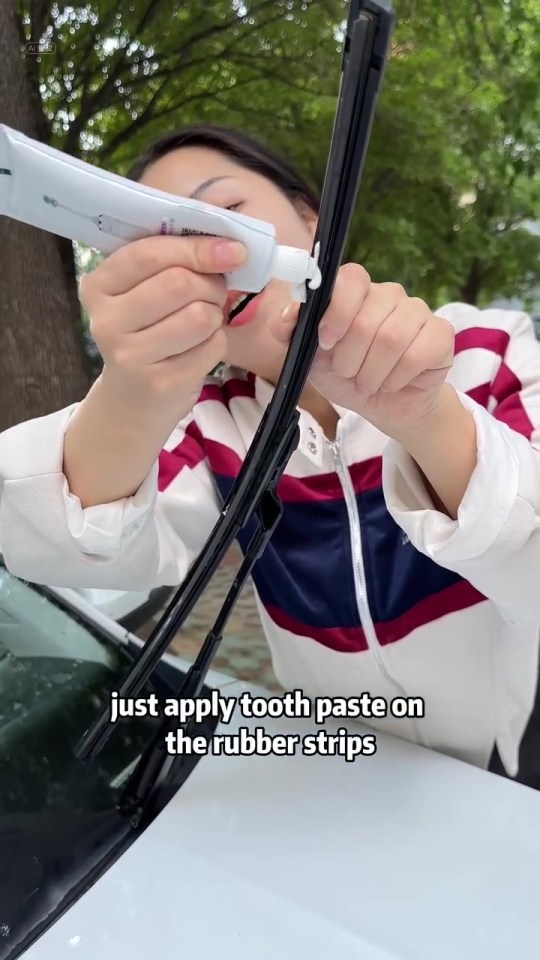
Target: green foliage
{"type": "Point", "coordinates": [122, 74]}
{"type": "Point", "coordinates": [449, 185]}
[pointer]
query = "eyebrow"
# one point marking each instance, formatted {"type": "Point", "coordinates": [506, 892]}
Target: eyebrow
{"type": "Point", "coordinates": [204, 186]}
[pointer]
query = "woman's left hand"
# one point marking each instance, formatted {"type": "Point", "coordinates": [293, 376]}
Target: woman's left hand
{"type": "Point", "coordinates": [381, 353]}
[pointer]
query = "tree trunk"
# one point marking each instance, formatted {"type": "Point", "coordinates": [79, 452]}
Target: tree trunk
{"type": "Point", "coordinates": [42, 359]}
{"type": "Point", "coordinates": [472, 285]}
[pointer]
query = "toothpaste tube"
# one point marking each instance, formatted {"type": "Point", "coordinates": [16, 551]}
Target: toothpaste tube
{"type": "Point", "coordinates": [45, 188]}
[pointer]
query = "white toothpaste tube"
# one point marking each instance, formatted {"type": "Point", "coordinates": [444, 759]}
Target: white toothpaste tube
{"type": "Point", "coordinates": [45, 188]}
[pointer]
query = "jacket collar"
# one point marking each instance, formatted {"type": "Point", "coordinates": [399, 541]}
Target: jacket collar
{"type": "Point", "coordinates": [312, 444]}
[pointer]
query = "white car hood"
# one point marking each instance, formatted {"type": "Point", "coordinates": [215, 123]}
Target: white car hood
{"type": "Point", "coordinates": [405, 855]}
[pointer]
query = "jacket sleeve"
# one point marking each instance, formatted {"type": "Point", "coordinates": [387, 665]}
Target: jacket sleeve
{"type": "Point", "coordinates": [495, 541]}
{"type": "Point", "coordinates": [136, 543]}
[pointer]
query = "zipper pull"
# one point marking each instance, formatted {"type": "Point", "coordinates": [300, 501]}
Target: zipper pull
{"type": "Point", "coordinates": [334, 448]}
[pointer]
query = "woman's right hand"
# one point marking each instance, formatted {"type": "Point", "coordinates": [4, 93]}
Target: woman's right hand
{"type": "Point", "coordinates": [156, 309]}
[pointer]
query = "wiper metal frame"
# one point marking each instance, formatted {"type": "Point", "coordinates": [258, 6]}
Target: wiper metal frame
{"type": "Point", "coordinates": [366, 44]}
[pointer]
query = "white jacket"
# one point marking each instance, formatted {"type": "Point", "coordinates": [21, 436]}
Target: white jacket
{"type": "Point", "coordinates": [365, 586]}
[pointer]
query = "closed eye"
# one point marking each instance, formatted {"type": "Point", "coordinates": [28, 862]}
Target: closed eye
{"type": "Point", "coordinates": [233, 206]}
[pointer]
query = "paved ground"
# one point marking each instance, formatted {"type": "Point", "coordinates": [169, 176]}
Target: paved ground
{"type": "Point", "coordinates": [243, 652]}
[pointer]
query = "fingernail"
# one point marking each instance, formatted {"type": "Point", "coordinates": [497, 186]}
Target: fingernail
{"type": "Point", "coordinates": [327, 338]}
{"type": "Point", "coordinates": [230, 253]}
{"type": "Point", "coordinates": [286, 314]}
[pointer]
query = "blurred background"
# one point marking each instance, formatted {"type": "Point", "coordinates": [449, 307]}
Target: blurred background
{"type": "Point", "coordinates": [449, 205]}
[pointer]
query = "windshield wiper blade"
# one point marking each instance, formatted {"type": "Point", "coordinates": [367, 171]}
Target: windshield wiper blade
{"type": "Point", "coordinates": [155, 764]}
{"type": "Point", "coordinates": [366, 43]}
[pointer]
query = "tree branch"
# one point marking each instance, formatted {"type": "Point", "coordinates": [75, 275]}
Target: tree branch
{"type": "Point", "coordinates": [91, 103]}
{"type": "Point", "coordinates": [224, 27]}
{"type": "Point", "coordinates": [495, 51]}
{"type": "Point", "coordinates": [167, 75]}
{"type": "Point", "coordinates": [245, 110]}
{"type": "Point", "coordinates": [269, 74]}
{"type": "Point", "coordinates": [39, 14]}
{"type": "Point", "coordinates": [18, 20]}
{"type": "Point", "coordinates": [94, 101]}
{"type": "Point", "coordinates": [85, 77]}
{"type": "Point", "coordinates": [149, 114]}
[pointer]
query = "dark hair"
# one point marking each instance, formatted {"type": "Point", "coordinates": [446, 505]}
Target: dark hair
{"type": "Point", "coordinates": [242, 148]}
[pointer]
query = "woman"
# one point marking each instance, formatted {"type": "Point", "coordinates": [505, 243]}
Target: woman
{"type": "Point", "coordinates": [414, 478]}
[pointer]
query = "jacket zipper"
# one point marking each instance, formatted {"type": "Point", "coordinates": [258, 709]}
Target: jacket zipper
{"type": "Point", "coordinates": [360, 586]}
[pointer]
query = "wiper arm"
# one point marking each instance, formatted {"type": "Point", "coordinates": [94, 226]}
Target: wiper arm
{"type": "Point", "coordinates": [368, 32]}
{"type": "Point", "coordinates": [155, 763]}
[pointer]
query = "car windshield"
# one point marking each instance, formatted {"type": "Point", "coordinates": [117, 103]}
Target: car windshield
{"type": "Point", "coordinates": [59, 823]}
{"type": "Point", "coordinates": [55, 673]}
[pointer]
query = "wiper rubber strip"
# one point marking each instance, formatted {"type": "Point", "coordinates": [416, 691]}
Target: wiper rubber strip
{"type": "Point", "coordinates": [366, 44]}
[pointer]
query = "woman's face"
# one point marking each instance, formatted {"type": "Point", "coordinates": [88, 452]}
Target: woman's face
{"type": "Point", "coordinates": [185, 172]}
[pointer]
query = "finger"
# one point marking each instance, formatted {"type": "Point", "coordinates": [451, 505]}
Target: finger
{"type": "Point", "coordinates": [430, 378]}
{"type": "Point", "coordinates": [351, 352]}
{"type": "Point", "coordinates": [187, 369]}
{"type": "Point", "coordinates": [351, 288]}
{"type": "Point", "coordinates": [427, 360]}
{"type": "Point", "coordinates": [166, 293]}
{"type": "Point", "coordinates": [176, 334]}
{"type": "Point", "coordinates": [282, 325]}
{"type": "Point", "coordinates": [142, 259]}
{"type": "Point", "coordinates": [394, 338]}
